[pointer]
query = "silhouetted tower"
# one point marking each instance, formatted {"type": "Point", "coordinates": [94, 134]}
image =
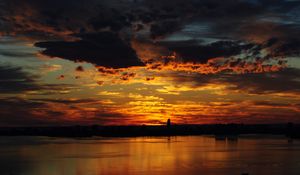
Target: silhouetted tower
{"type": "Point", "coordinates": [169, 123]}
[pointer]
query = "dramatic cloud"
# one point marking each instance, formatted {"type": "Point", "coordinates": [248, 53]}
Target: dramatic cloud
{"type": "Point", "coordinates": [202, 53]}
{"type": "Point", "coordinates": [102, 49]}
{"type": "Point", "coordinates": [285, 81]}
{"type": "Point", "coordinates": [43, 112]}
{"type": "Point", "coordinates": [142, 61]}
{"type": "Point", "coordinates": [15, 80]}
{"type": "Point", "coordinates": [22, 112]}
{"type": "Point", "coordinates": [237, 25]}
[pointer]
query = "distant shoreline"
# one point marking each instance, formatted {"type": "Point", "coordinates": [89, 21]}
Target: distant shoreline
{"type": "Point", "coordinates": [219, 130]}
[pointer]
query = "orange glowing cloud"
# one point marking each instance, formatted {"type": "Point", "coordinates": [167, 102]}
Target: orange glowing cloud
{"type": "Point", "coordinates": [217, 65]}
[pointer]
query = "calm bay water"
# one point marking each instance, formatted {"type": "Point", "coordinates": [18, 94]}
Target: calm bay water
{"type": "Point", "coordinates": [256, 155]}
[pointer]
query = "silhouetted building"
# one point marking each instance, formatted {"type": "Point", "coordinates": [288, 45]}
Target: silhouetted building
{"type": "Point", "coordinates": [169, 123]}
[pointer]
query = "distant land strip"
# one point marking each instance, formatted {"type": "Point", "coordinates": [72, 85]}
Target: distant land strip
{"type": "Point", "coordinates": [219, 130]}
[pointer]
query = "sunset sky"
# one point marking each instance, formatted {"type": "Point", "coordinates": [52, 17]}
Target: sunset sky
{"type": "Point", "coordinates": [134, 62]}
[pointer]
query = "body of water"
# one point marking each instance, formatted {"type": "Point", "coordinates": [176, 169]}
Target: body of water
{"type": "Point", "coordinates": [256, 155]}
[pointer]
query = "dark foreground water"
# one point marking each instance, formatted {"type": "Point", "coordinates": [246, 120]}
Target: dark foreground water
{"type": "Point", "coordinates": [256, 155]}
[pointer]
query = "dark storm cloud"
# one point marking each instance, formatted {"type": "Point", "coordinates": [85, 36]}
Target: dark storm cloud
{"type": "Point", "coordinates": [35, 17]}
{"type": "Point", "coordinates": [110, 18]}
{"type": "Point", "coordinates": [102, 49]}
{"type": "Point", "coordinates": [284, 81]}
{"type": "Point", "coordinates": [282, 40]}
{"type": "Point", "coordinates": [74, 15]}
{"type": "Point", "coordinates": [290, 47]}
{"type": "Point", "coordinates": [15, 80]}
{"type": "Point", "coordinates": [202, 53]}
{"type": "Point", "coordinates": [41, 18]}
{"type": "Point", "coordinates": [252, 22]}
{"type": "Point", "coordinates": [249, 21]}
{"type": "Point", "coordinates": [163, 28]}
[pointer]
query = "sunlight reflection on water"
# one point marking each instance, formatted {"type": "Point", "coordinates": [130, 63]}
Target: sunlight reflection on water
{"type": "Point", "coordinates": [148, 155]}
